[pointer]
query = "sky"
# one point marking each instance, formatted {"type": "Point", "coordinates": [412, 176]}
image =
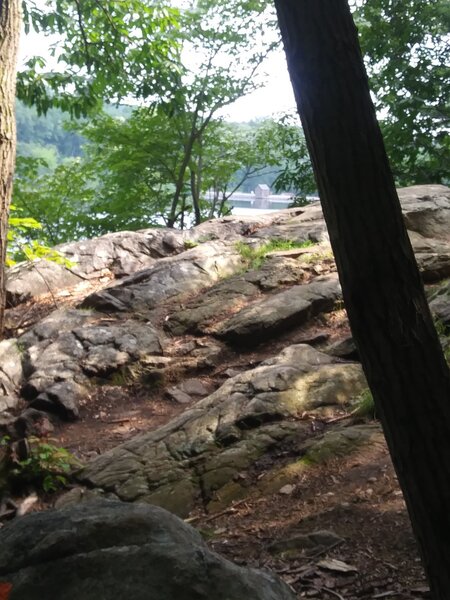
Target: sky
{"type": "Point", "coordinates": [275, 97]}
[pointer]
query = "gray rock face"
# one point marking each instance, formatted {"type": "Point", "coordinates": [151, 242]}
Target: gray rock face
{"type": "Point", "coordinates": [31, 280]}
{"type": "Point", "coordinates": [195, 269]}
{"type": "Point", "coordinates": [232, 293]}
{"type": "Point", "coordinates": [426, 210]}
{"type": "Point", "coordinates": [104, 550]}
{"type": "Point", "coordinates": [440, 304]}
{"type": "Point", "coordinates": [115, 254]}
{"type": "Point", "coordinates": [223, 296]}
{"type": "Point", "coordinates": [69, 346]}
{"type": "Point", "coordinates": [10, 374]}
{"type": "Point", "coordinates": [432, 256]}
{"type": "Point", "coordinates": [233, 227]}
{"type": "Point", "coordinates": [201, 450]}
{"type": "Point", "coordinates": [276, 313]}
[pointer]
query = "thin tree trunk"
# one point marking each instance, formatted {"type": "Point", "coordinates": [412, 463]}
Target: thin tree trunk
{"type": "Point", "coordinates": [382, 288]}
{"type": "Point", "coordinates": [196, 184]}
{"type": "Point", "coordinates": [9, 39]}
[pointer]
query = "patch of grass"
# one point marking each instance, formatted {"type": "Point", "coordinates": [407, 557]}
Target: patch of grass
{"type": "Point", "coordinates": [188, 244]}
{"type": "Point", "coordinates": [120, 378]}
{"type": "Point", "coordinates": [255, 257]}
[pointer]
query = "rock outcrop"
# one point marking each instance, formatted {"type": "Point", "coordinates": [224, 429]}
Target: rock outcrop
{"type": "Point", "coordinates": [175, 303]}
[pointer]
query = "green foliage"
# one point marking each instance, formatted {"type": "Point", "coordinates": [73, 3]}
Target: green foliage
{"type": "Point", "coordinates": [21, 247]}
{"type": "Point", "coordinates": [173, 161]}
{"type": "Point", "coordinates": [108, 50]}
{"type": "Point", "coordinates": [61, 201]}
{"type": "Point", "coordinates": [47, 466]}
{"type": "Point", "coordinates": [254, 257]}
{"type": "Point", "coordinates": [154, 167]}
{"type": "Point", "coordinates": [296, 174]}
{"type": "Point", "coordinates": [46, 137]}
{"type": "Point", "coordinates": [408, 56]}
{"type": "Point", "coordinates": [131, 170]}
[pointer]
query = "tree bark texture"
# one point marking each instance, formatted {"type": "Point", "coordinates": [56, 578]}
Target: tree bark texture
{"type": "Point", "coordinates": [9, 40]}
{"type": "Point", "coordinates": [381, 284]}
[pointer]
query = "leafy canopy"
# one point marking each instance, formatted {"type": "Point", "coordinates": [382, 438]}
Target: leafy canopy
{"type": "Point", "coordinates": [106, 49]}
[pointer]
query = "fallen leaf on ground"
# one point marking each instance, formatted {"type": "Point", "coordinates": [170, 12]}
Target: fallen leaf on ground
{"type": "Point", "coordinates": [333, 564]}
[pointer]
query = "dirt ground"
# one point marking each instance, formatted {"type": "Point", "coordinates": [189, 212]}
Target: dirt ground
{"type": "Point", "coordinates": [356, 498]}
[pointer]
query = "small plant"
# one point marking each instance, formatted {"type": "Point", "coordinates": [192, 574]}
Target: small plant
{"type": "Point", "coordinates": [47, 466]}
{"type": "Point", "coordinates": [365, 406]}
{"type": "Point", "coordinates": [20, 248]}
{"type": "Point", "coordinates": [255, 257]}
{"type": "Point", "coordinates": [188, 244]}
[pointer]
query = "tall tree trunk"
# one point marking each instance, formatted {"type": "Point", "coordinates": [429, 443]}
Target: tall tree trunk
{"type": "Point", "coordinates": [382, 288]}
{"type": "Point", "coordinates": [9, 39]}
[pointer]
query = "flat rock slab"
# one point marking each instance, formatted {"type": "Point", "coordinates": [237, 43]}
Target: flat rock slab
{"type": "Point", "coordinates": [181, 276]}
{"type": "Point", "coordinates": [233, 293]}
{"type": "Point", "coordinates": [102, 550]}
{"type": "Point", "coordinates": [274, 314]}
{"type": "Point", "coordinates": [309, 543]}
{"type": "Point", "coordinates": [192, 457]}
{"type": "Point", "coordinates": [235, 227]}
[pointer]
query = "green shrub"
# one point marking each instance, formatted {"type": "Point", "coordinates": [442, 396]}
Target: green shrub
{"type": "Point", "coordinates": [47, 466]}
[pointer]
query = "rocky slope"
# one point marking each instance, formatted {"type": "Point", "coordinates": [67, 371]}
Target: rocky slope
{"type": "Point", "coordinates": [254, 353]}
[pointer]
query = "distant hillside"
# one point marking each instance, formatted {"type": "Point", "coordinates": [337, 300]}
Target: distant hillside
{"type": "Point", "coordinates": [48, 136]}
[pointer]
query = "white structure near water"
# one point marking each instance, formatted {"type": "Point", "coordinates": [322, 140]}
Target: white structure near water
{"type": "Point", "coordinates": [261, 200]}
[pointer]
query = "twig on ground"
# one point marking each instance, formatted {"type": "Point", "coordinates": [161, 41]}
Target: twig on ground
{"type": "Point", "coordinates": [227, 511]}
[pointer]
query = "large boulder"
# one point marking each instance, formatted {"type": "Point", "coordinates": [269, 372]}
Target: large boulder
{"type": "Point", "coordinates": [235, 227]}
{"type": "Point", "coordinates": [103, 550]}
{"type": "Point", "coordinates": [432, 256]}
{"type": "Point", "coordinates": [231, 294]}
{"type": "Point", "coordinates": [426, 210]}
